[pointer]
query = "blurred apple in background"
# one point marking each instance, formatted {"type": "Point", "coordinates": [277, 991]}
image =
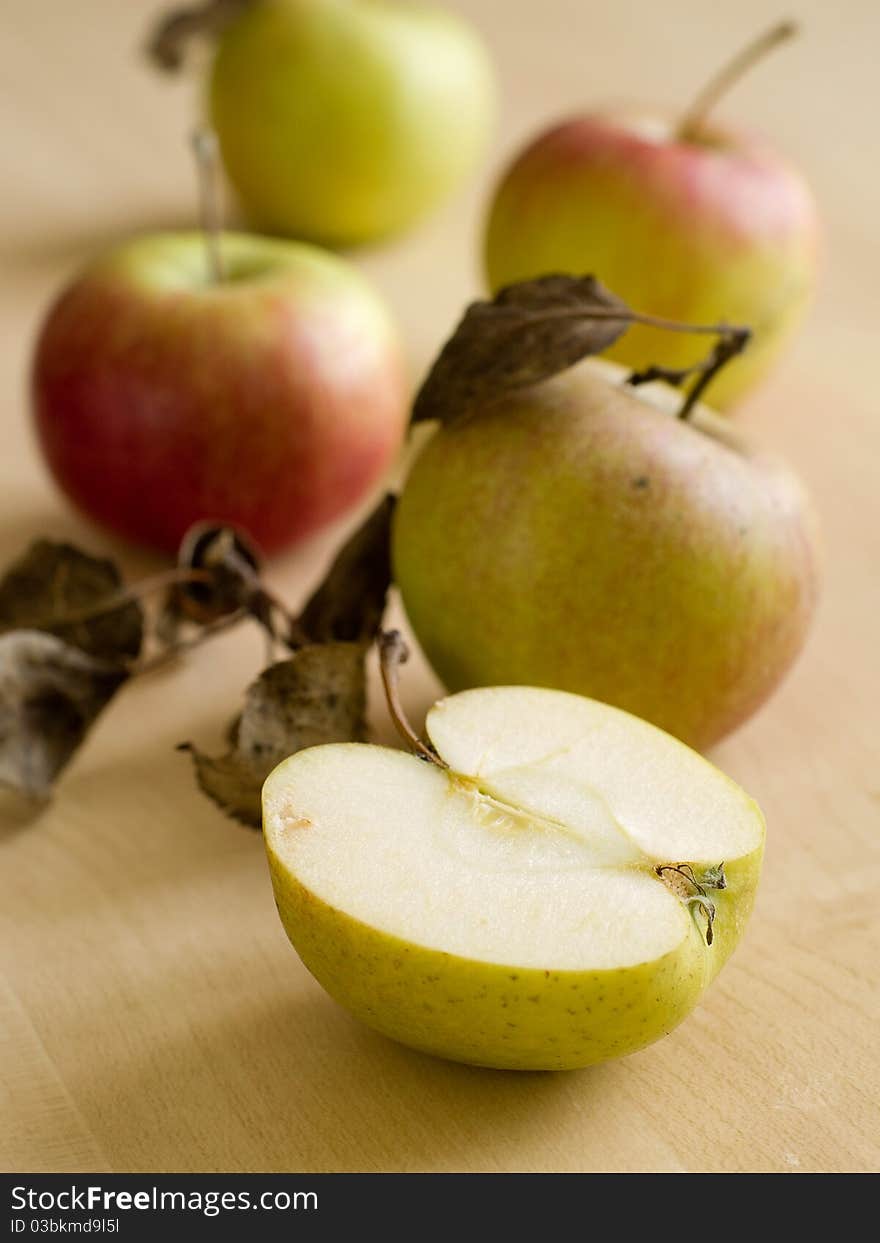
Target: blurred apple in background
{"type": "Point", "coordinates": [344, 121]}
{"type": "Point", "coordinates": [273, 399]}
{"type": "Point", "coordinates": [689, 220]}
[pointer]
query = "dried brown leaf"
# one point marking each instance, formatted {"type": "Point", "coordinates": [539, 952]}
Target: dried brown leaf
{"type": "Point", "coordinates": [232, 582]}
{"type": "Point", "coordinates": [54, 587]}
{"type": "Point", "coordinates": [50, 693]}
{"type": "Point", "coordinates": [317, 696]}
{"type": "Point", "coordinates": [528, 332]}
{"type": "Point", "coordinates": [349, 603]}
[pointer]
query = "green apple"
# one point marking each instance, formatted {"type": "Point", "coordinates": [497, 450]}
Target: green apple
{"type": "Point", "coordinates": [344, 121]}
{"type": "Point", "coordinates": [559, 889]}
{"type": "Point", "coordinates": [693, 220]}
{"type": "Point", "coordinates": [273, 399]}
{"type": "Point", "coordinates": [578, 535]}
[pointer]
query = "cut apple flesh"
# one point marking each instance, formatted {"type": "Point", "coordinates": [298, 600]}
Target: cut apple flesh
{"type": "Point", "coordinates": [536, 848]}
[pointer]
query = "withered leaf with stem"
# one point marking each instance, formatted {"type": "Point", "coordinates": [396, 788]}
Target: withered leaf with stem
{"type": "Point", "coordinates": [534, 329]}
{"type": "Point", "coordinates": [71, 635]}
{"type": "Point", "coordinates": [50, 694]}
{"type": "Point", "coordinates": [231, 583]}
{"type": "Point", "coordinates": [350, 601]}
{"type": "Point", "coordinates": [69, 631]}
{"type": "Point", "coordinates": [318, 694]}
{"type": "Point", "coordinates": [57, 588]}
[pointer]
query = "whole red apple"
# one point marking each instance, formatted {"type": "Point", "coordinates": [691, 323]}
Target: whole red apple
{"type": "Point", "coordinates": [273, 399]}
{"type": "Point", "coordinates": [688, 220]}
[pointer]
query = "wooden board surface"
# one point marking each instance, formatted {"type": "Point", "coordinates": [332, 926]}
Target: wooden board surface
{"type": "Point", "coordinates": [153, 1014]}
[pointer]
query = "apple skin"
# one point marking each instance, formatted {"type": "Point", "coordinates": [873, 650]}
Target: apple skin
{"type": "Point", "coordinates": [576, 536]}
{"type": "Point", "coordinates": [504, 1017]}
{"type": "Point", "coordinates": [721, 230]}
{"type": "Point", "coordinates": [343, 121]}
{"type": "Point", "coordinates": [273, 400]}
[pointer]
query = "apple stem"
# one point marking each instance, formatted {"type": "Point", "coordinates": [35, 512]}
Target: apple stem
{"type": "Point", "coordinates": [676, 325]}
{"type": "Point", "coordinates": [164, 657]}
{"type": "Point", "coordinates": [630, 317]}
{"type": "Point", "coordinates": [393, 652]}
{"type": "Point", "coordinates": [691, 124]}
{"type": "Point", "coordinates": [205, 148]}
{"type": "Point", "coordinates": [114, 601]}
{"type": "Point", "coordinates": [732, 341]}
{"type": "Point", "coordinates": [169, 42]}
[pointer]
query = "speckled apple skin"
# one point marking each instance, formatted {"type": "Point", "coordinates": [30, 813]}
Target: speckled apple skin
{"type": "Point", "coordinates": [508, 1017]}
{"type": "Point", "coordinates": [273, 400]}
{"type": "Point", "coordinates": [573, 536]}
{"type": "Point", "coordinates": [720, 232]}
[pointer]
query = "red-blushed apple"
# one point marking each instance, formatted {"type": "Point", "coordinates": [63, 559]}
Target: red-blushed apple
{"type": "Point", "coordinates": [273, 399]}
{"type": "Point", "coordinates": [692, 221]}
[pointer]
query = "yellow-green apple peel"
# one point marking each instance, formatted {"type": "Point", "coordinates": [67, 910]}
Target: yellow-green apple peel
{"type": "Point", "coordinates": [344, 121]}
{"type": "Point", "coordinates": [557, 888]}
{"type": "Point", "coordinates": [577, 534]}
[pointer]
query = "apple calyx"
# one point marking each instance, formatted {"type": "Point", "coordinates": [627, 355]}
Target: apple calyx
{"type": "Point", "coordinates": [174, 33]}
{"type": "Point", "coordinates": [692, 889]}
{"type": "Point", "coordinates": [691, 128]}
{"type": "Point", "coordinates": [206, 151]}
{"type": "Point", "coordinates": [394, 652]}
{"type": "Point", "coordinates": [534, 329]}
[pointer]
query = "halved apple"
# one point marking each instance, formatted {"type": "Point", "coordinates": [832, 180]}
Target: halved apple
{"type": "Point", "coordinates": [557, 889]}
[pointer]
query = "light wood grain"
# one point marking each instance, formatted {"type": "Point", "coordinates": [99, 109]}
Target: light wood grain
{"type": "Point", "coordinates": [154, 1016]}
